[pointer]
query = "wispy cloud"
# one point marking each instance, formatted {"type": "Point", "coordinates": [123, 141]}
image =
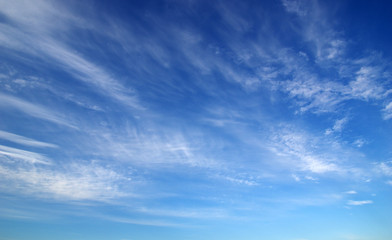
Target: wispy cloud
{"type": "Point", "coordinates": [388, 111]}
{"type": "Point", "coordinates": [296, 178]}
{"type": "Point", "coordinates": [158, 223]}
{"type": "Point", "coordinates": [297, 6]}
{"type": "Point", "coordinates": [24, 140]}
{"type": "Point", "coordinates": [198, 213]}
{"type": "Point", "coordinates": [11, 103]}
{"type": "Point", "coordinates": [359, 203]}
{"type": "Point", "coordinates": [205, 107]}
{"type": "Point", "coordinates": [37, 31]}
{"type": "Point", "coordinates": [359, 142]}
{"type": "Point", "coordinates": [384, 168]}
{"type": "Point", "coordinates": [27, 156]}
{"type": "Point", "coordinates": [73, 182]}
{"type": "Point", "coordinates": [338, 126]}
{"type": "Point", "coordinates": [295, 146]}
{"type": "Point", "coordinates": [91, 74]}
{"type": "Point", "coordinates": [315, 93]}
{"type": "Point", "coordinates": [365, 85]}
{"type": "Point", "coordinates": [155, 148]}
{"type": "Point", "coordinates": [351, 192]}
{"type": "Point", "coordinates": [241, 181]}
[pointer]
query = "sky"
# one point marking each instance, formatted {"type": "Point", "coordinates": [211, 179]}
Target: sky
{"type": "Point", "coordinates": [185, 119]}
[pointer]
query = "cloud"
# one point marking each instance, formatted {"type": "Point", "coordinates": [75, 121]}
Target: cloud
{"type": "Point", "coordinates": [365, 86]}
{"type": "Point", "coordinates": [296, 146]}
{"type": "Point", "coordinates": [384, 168]}
{"type": "Point", "coordinates": [296, 6]}
{"type": "Point", "coordinates": [310, 178]}
{"type": "Point", "coordinates": [359, 203]}
{"type": "Point", "coordinates": [17, 214]}
{"type": "Point", "coordinates": [296, 178]}
{"type": "Point", "coordinates": [26, 156]}
{"type": "Point", "coordinates": [364, 79]}
{"type": "Point", "coordinates": [247, 182]}
{"type": "Point", "coordinates": [91, 73]}
{"type": "Point", "coordinates": [338, 126]}
{"type": "Point", "coordinates": [10, 102]}
{"type": "Point", "coordinates": [314, 95]}
{"type": "Point", "coordinates": [316, 31]}
{"type": "Point", "coordinates": [359, 142]}
{"type": "Point", "coordinates": [38, 30]}
{"type": "Point", "coordinates": [388, 111]}
{"type": "Point", "coordinates": [199, 213]}
{"type": "Point", "coordinates": [24, 140]}
{"type": "Point", "coordinates": [351, 192]}
{"type": "Point", "coordinates": [318, 95]}
{"type": "Point", "coordinates": [235, 77]}
{"type": "Point", "coordinates": [145, 222]}
{"type": "Point", "coordinates": [155, 148]}
{"type": "Point", "coordinates": [73, 182]}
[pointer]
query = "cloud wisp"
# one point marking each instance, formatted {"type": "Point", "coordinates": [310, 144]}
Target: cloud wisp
{"type": "Point", "coordinates": [359, 203]}
{"type": "Point", "coordinates": [24, 140]}
{"type": "Point", "coordinates": [11, 103]}
{"type": "Point", "coordinates": [76, 182]}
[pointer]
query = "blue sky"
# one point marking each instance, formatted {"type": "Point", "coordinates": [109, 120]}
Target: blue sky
{"type": "Point", "coordinates": [195, 120]}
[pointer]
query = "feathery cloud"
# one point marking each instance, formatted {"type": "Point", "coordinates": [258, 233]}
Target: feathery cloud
{"type": "Point", "coordinates": [359, 203]}
{"type": "Point", "coordinates": [24, 140]}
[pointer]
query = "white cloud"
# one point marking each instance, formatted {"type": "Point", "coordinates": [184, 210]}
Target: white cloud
{"type": "Point", "coordinates": [296, 6]}
{"type": "Point", "coordinates": [338, 126]}
{"type": "Point", "coordinates": [91, 73]}
{"type": "Point", "coordinates": [315, 29]}
{"type": "Point", "coordinates": [154, 148]}
{"type": "Point", "coordinates": [384, 168]}
{"type": "Point", "coordinates": [231, 17]}
{"type": "Point", "coordinates": [73, 182]}
{"type": "Point", "coordinates": [200, 213]}
{"type": "Point", "coordinates": [18, 214]}
{"type": "Point", "coordinates": [27, 156]}
{"type": "Point", "coordinates": [10, 102]}
{"type": "Point", "coordinates": [143, 222]}
{"type": "Point", "coordinates": [38, 30]}
{"type": "Point", "coordinates": [296, 178]}
{"type": "Point", "coordinates": [247, 182]}
{"type": "Point", "coordinates": [365, 85]}
{"type": "Point", "coordinates": [312, 94]}
{"type": "Point", "coordinates": [297, 148]}
{"type": "Point", "coordinates": [388, 111]}
{"type": "Point", "coordinates": [359, 203]}
{"type": "Point", "coordinates": [351, 192]}
{"type": "Point", "coordinates": [24, 140]}
{"type": "Point", "coordinates": [318, 165]}
{"type": "Point", "coordinates": [359, 143]}
{"type": "Point", "coordinates": [310, 178]}
{"type": "Point", "coordinates": [318, 94]}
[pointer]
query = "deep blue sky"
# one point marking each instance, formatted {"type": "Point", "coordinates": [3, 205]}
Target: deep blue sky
{"type": "Point", "coordinates": [195, 120]}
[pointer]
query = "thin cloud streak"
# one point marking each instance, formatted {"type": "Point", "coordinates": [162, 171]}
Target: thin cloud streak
{"type": "Point", "coordinates": [37, 31]}
{"type": "Point", "coordinates": [27, 156]}
{"type": "Point", "coordinates": [76, 182]}
{"type": "Point", "coordinates": [11, 103]}
{"type": "Point", "coordinates": [359, 203]}
{"type": "Point", "coordinates": [24, 140]}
